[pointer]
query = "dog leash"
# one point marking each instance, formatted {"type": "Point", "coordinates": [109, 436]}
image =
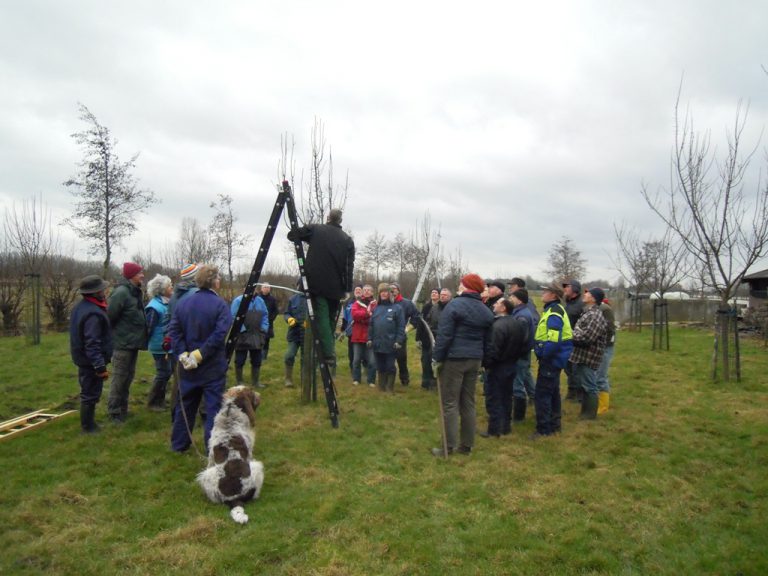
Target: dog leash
{"type": "Point", "coordinates": [184, 414]}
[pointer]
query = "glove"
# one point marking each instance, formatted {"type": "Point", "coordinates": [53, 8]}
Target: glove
{"type": "Point", "coordinates": [436, 366]}
{"type": "Point", "coordinates": [167, 344]}
{"type": "Point", "coordinates": [101, 372]}
{"type": "Point", "coordinates": [188, 361]}
{"type": "Point", "coordinates": [398, 346]}
{"type": "Point", "coordinates": [369, 344]}
{"type": "Point", "coordinates": [291, 321]}
{"type": "Point", "coordinates": [197, 356]}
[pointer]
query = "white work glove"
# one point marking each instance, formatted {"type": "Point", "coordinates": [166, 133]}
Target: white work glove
{"type": "Point", "coordinates": [188, 361]}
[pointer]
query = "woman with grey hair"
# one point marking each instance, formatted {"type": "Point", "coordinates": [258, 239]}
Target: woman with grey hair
{"type": "Point", "coordinates": [159, 290]}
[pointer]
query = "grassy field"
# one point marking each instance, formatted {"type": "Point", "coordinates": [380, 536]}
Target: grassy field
{"type": "Point", "coordinates": [672, 481]}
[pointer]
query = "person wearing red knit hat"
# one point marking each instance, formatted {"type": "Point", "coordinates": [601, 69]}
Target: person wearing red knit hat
{"type": "Point", "coordinates": [129, 333]}
{"type": "Point", "coordinates": [462, 334]}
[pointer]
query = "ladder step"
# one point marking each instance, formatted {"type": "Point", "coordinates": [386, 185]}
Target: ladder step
{"type": "Point", "coordinates": [31, 420]}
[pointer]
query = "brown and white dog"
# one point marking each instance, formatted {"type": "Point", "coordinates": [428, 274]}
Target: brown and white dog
{"type": "Point", "coordinates": [233, 477]}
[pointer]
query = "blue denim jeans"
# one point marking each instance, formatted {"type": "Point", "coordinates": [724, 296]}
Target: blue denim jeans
{"type": "Point", "coordinates": [603, 385]}
{"type": "Point", "coordinates": [359, 352]}
{"type": "Point", "coordinates": [163, 371]}
{"type": "Point", "coordinates": [524, 384]}
{"type": "Point", "coordinates": [585, 377]}
{"type": "Point", "coordinates": [290, 353]}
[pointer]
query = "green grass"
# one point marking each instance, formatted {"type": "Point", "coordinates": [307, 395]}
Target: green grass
{"type": "Point", "coordinates": [671, 481]}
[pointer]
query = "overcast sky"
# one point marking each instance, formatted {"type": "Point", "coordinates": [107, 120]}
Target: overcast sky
{"type": "Point", "coordinates": [513, 123]}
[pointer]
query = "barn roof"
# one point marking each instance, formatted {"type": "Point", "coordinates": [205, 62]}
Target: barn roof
{"type": "Point", "coordinates": [762, 275]}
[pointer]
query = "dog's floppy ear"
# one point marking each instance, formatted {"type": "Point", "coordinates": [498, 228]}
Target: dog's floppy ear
{"type": "Point", "coordinates": [244, 401]}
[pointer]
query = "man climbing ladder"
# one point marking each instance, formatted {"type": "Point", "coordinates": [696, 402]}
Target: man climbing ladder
{"type": "Point", "coordinates": [323, 269]}
{"type": "Point", "coordinates": [329, 268]}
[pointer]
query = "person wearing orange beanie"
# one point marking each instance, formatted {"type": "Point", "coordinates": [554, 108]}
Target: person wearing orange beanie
{"type": "Point", "coordinates": [460, 343]}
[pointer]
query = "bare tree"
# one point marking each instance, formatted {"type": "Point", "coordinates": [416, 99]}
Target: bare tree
{"type": "Point", "coordinates": [320, 193]}
{"type": "Point", "coordinates": [225, 240]}
{"type": "Point", "coordinates": [565, 260]}
{"type": "Point", "coordinates": [62, 274]}
{"type": "Point", "coordinates": [456, 268]}
{"type": "Point", "coordinates": [108, 198]}
{"type": "Point", "coordinates": [705, 206]}
{"type": "Point", "coordinates": [29, 233]}
{"type": "Point", "coordinates": [398, 253]}
{"type": "Point", "coordinates": [194, 244]}
{"type": "Point", "coordinates": [11, 289]}
{"type": "Point", "coordinates": [655, 265]}
{"type": "Point", "coordinates": [375, 254]}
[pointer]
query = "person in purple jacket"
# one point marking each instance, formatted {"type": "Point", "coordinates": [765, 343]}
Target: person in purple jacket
{"type": "Point", "coordinates": [198, 332]}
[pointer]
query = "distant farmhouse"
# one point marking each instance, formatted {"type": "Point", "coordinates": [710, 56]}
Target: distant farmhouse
{"type": "Point", "coordinates": [758, 288]}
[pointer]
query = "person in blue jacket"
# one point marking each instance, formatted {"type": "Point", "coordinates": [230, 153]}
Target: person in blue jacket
{"type": "Point", "coordinates": [159, 289]}
{"type": "Point", "coordinates": [553, 344]}
{"type": "Point", "coordinates": [462, 340]}
{"type": "Point", "coordinates": [386, 335]}
{"type": "Point", "coordinates": [295, 315]}
{"type": "Point", "coordinates": [198, 332]}
{"type": "Point", "coordinates": [253, 335]}
{"type": "Point", "coordinates": [90, 344]}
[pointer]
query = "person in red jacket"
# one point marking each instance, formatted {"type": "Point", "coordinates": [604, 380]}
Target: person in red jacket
{"type": "Point", "coordinates": [361, 311]}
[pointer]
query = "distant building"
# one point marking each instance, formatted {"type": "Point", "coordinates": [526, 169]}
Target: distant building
{"type": "Point", "coordinates": [758, 288]}
{"type": "Point", "coordinates": [671, 296]}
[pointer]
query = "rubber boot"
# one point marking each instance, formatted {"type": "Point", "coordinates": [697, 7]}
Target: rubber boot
{"type": "Point", "coordinates": [572, 395]}
{"type": "Point", "coordinates": [255, 377]}
{"type": "Point", "coordinates": [391, 382]}
{"type": "Point", "coordinates": [87, 415]}
{"type": "Point", "coordinates": [239, 375]}
{"type": "Point", "coordinates": [288, 376]}
{"type": "Point", "coordinates": [520, 407]}
{"type": "Point", "coordinates": [589, 407]}
{"type": "Point", "coordinates": [382, 378]}
{"type": "Point", "coordinates": [603, 401]}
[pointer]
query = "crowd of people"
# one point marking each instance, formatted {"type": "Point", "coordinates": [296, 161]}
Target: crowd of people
{"type": "Point", "coordinates": [486, 332]}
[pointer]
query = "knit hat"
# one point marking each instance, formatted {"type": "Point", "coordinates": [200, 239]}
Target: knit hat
{"type": "Point", "coordinates": [130, 269]}
{"type": "Point", "coordinates": [92, 284]}
{"type": "Point", "coordinates": [395, 285]}
{"type": "Point", "coordinates": [521, 294]}
{"type": "Point", "coordinates": [519, 282]}
{"type": "Point", "coordinates": [554, 288]}
{"type": "Point", "coordinates": [473, 282]}
{"type": "Point", "coordinates": [597, 294]}
{"type": "Point", "coordinates": [189, 271]}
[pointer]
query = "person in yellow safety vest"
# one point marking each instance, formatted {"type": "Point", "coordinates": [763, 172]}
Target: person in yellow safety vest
{"type": "Point", "coordinates": [553, 345]}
